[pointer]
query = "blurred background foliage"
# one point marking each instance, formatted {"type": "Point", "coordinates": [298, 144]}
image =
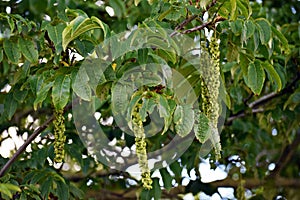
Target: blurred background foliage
{"type": "Point", "coordinates": [260, 56]}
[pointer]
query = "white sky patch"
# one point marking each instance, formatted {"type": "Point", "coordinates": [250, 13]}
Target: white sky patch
{"type": "Point", "coordinates": [8, 10]}
{"type": "Point", "coordinates": [188, 196]}
{"type": "Point", "coordinates": [99, 3]}
{"type": "Point", "coordinates": [226, 192]}
{"type": "Point", "coordinates": [110, 11]}
{"type": "Point", "coordinates": [6, 88]}
{"type": "Point", "coordinates": [208, 174]}
{"type": "Point", "coordinates": [77, 56]}
{"type": "Point", "coordinates": [6, 147]}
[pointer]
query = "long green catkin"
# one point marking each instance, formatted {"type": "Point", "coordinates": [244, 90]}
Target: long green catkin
{"type": "Point", "coordinates": [210, 84]}
{"type": "Point", "coordinates": [141, 144]}
{"type": "Point", "coordinates": [59, 136]}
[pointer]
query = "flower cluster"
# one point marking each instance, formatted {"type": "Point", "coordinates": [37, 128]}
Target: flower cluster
{"type": "Point", "coordinates": [60, 138]}
{"type": "Point", "coordinates": [141, 147]}
{"type": "Point", "coordinates": [210, 84]}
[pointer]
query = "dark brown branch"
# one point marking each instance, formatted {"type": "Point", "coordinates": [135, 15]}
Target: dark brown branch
{"type": "Point", "coordinates": [242, 114]}
{"type": "Point", "coordinates": [286, 156]}
{"type": "Point", "coordinates": [182, 24]}
{"type": "Point", "coordinates": [188, 20]}
{"type": "Point", "coordinates": [28, 141]}
{"type": "Point", "coordinates": [272, 95]}
{"type": "Point", "coordinates": [254, 183]}
{"type": "Point", "coordinates": [174, 193]}
{"type": "Point", "coordinates": [196, 28]}
{"type": "Point", "coordinates": [263, 100]}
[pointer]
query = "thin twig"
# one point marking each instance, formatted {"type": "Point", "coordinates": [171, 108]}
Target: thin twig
{"type": "Point", "coordinates": [188, 20]}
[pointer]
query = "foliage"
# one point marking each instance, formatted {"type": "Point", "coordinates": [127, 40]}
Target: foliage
{"type": "Point", "coordinates": [252, 62]}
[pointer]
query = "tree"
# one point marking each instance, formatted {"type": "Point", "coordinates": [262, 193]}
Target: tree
{"type": "Point", "coordinates": [83, 82]}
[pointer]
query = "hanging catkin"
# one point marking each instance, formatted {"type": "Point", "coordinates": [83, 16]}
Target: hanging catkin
{"type": "Point", "coordinates": [141, 144]}
{"type": "Point", "coordinates": [59, 136]}
{"type": "Point", "coordinates": [210, 83]}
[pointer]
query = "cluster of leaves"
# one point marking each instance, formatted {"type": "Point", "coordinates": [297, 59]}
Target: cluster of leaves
{"type": "Point", "coordinates": [39, 61]}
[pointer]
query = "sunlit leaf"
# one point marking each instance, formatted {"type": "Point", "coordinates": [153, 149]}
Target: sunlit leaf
{"type": "Point", "coordinates": [264, 29]}
{"type": "Point", "coordinates": [61, 91]}
{"type": "Point", "coordinates": [79, 26]}
{"type": "Point", "coordinates": [42, 94]}
{"type": "Point", "coordinates": [273, 74]}
{"type": "Point", "coordinates": [282, 39]}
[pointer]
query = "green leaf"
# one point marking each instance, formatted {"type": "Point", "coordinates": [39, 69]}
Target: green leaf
{"type": "Point", "coordinates": [62, 190]}
{"type": "Point", "coordinates": [143, 56]}
{"type": "Point", "coordinates": [256, 77]}
{"type": "Point", "coordinates": [233, 13]}
{"type": "Point", "coordinates": [281, 38]}
{"type": "Point", "coordinates": [46, 187]}
{"type": "Point", "coordinates": [202, 128]}
{"type": "Point", "coordinates": [135, 98]}
{"type": "Point", "coordinates": [264, 29]}
{"type": "Point", "coordinates": [120, 98]}
{"type": "Point", "coordinates": [42, 94]}
{"type": "Point", "coordinates": [79, 26]}
{"type": "Point", "coordinates": [167, 178]}
{"type": "Point", "coordinates": [55, 35]}
{"type": "Point", "coordinates": [183, 119]}
{"type": "Point", "coordinates": [165, 13]}
{"type": "Point", "coordinates": [12, 51]}
{"type": "Point", "coordinates": [167, 55]}
{"type": "Point", "coordinates": [248, 30]}
{"type": "Point", "coordinates": [144, 108]}
{"type": "Point", "coordinates": [10, 105]}
{"type": "Point", "coordinates": [293, 100]}
{"type": "Point", "coordinates": [176, 169]}
{"type": "Point", "coordinates": [9, 189]}
{"type": "Point", "coordinates": [22, 72]}
{"type": "Point", "coordinates": [232, 52]}
{"type": "Point", "coordinates": [176, 14]}
{"type": "Point", "coordinates": [242, 8]}
{"type": "Point", "coordinates": [273, 74]}
{"type": "Point", "coordinates": [28, 50]}
{"type": "Point", "coordinates": [61, 91]}
{"type": "Point", "coordinates": [165, 112]}
{"type": "Point", "coordinates": [103, 90]}
{"type": "Point", "coordinates": [80, 86]}
{"type": "Point", "coordinates": [77, 193]}
{"type": "Point", "coordinates": [20, 95]}
{"type": "Point", "coordinates": [163, 107]}
{"type": "Point", "coordinates": [119, 7]}
{"type": "Point", "coordinates": [236, 26]}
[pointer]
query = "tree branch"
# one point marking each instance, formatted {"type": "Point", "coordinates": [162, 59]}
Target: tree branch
{"type": "Point", "coordinates": [272, 95]}
{"type": "Point", "coordinates": [188, 20]}
{"type": "Point", "coordinates": [28, 141]}
{"type": "Point", "coordinates": [263, 100]}
{"type": "Point", "coordinates": [286, 156]}
{"type": "Point", "coordinates": [254, 183]}
{"type": "Point", "coordinates": [174, 193]}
